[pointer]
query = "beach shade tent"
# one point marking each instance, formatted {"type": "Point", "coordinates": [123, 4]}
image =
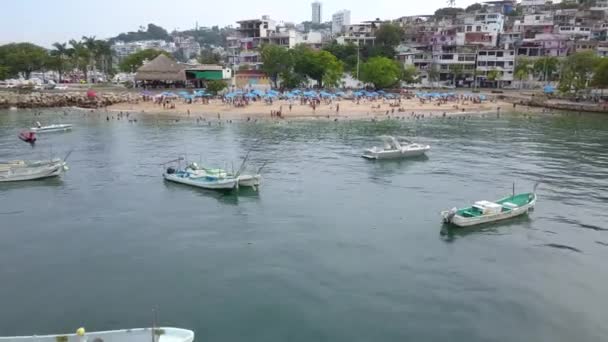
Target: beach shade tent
{"type": "Point", "coordinates": [381, 92]}
{"type": "Point", "coordinates": [340, 94]}
{"type": "Point", "coordinates": [250, 95]}
{"type": "Point", "coordinates": [390, 96]}
{"type": "Point", "coordinates": [161, 68]}
{"type": "Point", "coordinates": [325, 94]}
{"type": "Point", "coordinates": [296, 92]}
{"type": "Point", "coordinates": [230, 95]}
{"type": "Point", "coordinates": [309, 94]}
{"type": "Point", "coordinates": [549, 89]}
{"type": "Point", "coordinates": [258, 92]}
{"type": "Point", "coordinates": [168, 94]}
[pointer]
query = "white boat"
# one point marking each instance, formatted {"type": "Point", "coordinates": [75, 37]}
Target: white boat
{"type": "Point", "coordinates": [25, 170]}
{"type": "Point", "coordinates": [245, 180]}
{"type": "Point", "coordinates": [486, 212]}
{"type": "Point", "coordinates": [200, 181]}
{"type": "Point", "coordinates": [52, 128]}
{"type": "Point", "coordinates": [395, 149]}
{"type": "Point", "coordinates": [128, 335]}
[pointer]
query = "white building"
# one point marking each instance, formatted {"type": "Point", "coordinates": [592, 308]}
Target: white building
{"type": "Point", "coordinates": [317, 12]}
{"type": "Point", "coordinates": [532, 3]}
{"type": "Point", "coordinates": [339, 20]}
{"type": "Point", "coordinates": [243, 48]}
{"type": "Point", "coordinates": [359, 34]}
{"type": "Point", "coordinates": [122, 49]}
{"type": "Point", "coordinates": [497, 59]}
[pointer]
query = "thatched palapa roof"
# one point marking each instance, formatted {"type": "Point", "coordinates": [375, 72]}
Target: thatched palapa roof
{"type": "Point", "coordinates": [161, 68]}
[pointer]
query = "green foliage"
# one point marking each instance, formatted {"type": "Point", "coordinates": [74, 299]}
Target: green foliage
{"type": "Point", "coordinates": [209, 57]}
{"type": "Point", "coordinates": [132, 62]}
{"type": "Point", "coordinates": [276, 60]}
{"type": "Point", "coordinates": [345, 53]}
{"type": "Point", "coordinates": [433, 73]}
{"type": "Point", "coordinates": [152, 32]}
{"type": "Point", "coordinates": [493, 75]}
{"type": "Point", "coordinates": [577, 70]}
{"type": "Point", "coordinates": [448, 12]}
{"type": "Point", "coordinates": [320, 66]}
{"type": "Point", "coordinates": [214, 36]}
{"type": "Point", "coordinates": [473, 8]}
{"type": "Point", "coordinates": [546, 67]}
{"type": "Point", "coordinates": [409, 74]}
{"type": "Point", "coordinates": [600, 76]}
{"type": "Point", "coordinates": [382, 72]}
{"type": "Point", "coordinates": [456, 70]}
{"type": "Point", "coordinates": [22, 58]}
{"type": "Point", "coordinates": [215, 86]}
{"type": "Point", "coordinates": [389, 35]}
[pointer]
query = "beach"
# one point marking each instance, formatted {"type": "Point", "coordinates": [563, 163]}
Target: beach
{"type": "Point", "coordinates": [341, 109]}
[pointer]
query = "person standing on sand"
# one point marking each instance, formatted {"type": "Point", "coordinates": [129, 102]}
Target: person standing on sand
{"type": "Point", "coordinates": [337, 108]}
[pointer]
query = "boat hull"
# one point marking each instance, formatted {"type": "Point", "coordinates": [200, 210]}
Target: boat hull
{"type": "Point", "coordinates": [51, 129]}
{"type": "Point", "coordinates": [250, 181]}
{"type": "Point", "coordinates": [220, 184]}
{"type": "Point", "coordinates": [163, 334]}
{"type": "Point", "coordinates": [461, 221]}
{"type": "Point", "coordinates": [34, 171]}
{"type": "Point", "coordinates": [397, 154]}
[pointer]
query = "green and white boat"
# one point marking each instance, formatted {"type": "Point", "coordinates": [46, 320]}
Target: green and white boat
{"type": "Point", "coordinates": [486, 212]}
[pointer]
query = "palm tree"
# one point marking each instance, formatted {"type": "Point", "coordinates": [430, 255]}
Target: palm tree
{"type": "Point", "coordinates": [91, 44]}
{"type": "Point", "coordinates": [456, 70]}
{"type": "Point", "coordinates": [80, 57]}
{"type": "Point", "coordinates": [60, 56]}
{"type": "Point", "coordinates": [451, 3]}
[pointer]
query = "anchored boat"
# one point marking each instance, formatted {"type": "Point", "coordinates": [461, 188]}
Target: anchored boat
{"type": "Point", "coordinates": [245, 180]}
{"type": "Point", "coordinates": [485, 211]}
{"type": "Point", "coordinates": [127, 335]}
{"type": "Point", "coordinates": [51, 128]}
{"type": "Point", "coordinates": [30, 170]}
{"type": "Point", "coordinates": [28, 136]}
{"type": "Point", "coordinates": [395, 149]}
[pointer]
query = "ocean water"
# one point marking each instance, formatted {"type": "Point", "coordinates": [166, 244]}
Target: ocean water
{"type": "Point", "coordinates": [332, 247]}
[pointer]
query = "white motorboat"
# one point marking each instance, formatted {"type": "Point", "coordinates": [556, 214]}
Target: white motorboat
{"type": "Point", "coordinates": [25, 170]}
{"type": "Point", "coordinates": [52, 128]}
{"type": "Point", "coordinates": [245, 180]}
{"type": "Point", "coordinates": [396, 149]}
{"type": "Point", "coordinates": [199, 180]}
{"type": "Point", "coordinates": [127, 335]}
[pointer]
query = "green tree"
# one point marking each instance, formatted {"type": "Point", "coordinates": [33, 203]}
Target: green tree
{"type": "Point", "coordinates": [433, 73]}
{"type": "Point", "coordinates": [215, 86]}
{"type": "Point", "coordinates": [473, 8]}
{"type": "Point", "coordinates": [576, 71]}
{"type": "Point", "coordinates": [59, 59]}
{"type": "Point", "coordinates": [456, 70]}
{"type": "Point", "coordinates": [276, 60]}
{"type": "Point", "coordinates": [546, 67]}
{"type": "Point", "coordinates": [135, 60]}
{"type": "Point", "coordinates": [409, 74]}
{"type": "Point", "coordinates": [382, 72]}
{"type": "Point", "coordinates": [345, 53]}
{"type": "Point", "coordinates": [493, 76]}
{"type": "Point", "coordinates": [209, 57]}
{"type": "Point", "coordinates": [320, 66]}
{"type": "Point", "coordinates": [388, 35]}
{"type": "Point", "coordinates": [600, 75]}
{"type": "Point", "coordinates": [22, 58]}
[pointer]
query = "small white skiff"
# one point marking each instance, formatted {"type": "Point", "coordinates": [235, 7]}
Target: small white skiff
{"type": "Point", "coordinates": [395, 149]}
{"type": "Point", "coordinates": [127, 335]}
{"type": "Point", "coordinates": [52, 128]}
{"type": "Point", "coordinates": [26, 170]}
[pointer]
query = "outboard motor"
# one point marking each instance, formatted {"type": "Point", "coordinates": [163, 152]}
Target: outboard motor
{"type": "Point", "coordinates": [447, 218]}
{"type": "Point", "coordinates": [171, 170]}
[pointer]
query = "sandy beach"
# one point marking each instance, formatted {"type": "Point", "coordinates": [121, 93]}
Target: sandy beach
{"type": "Point", "coordinates": [348, 109]}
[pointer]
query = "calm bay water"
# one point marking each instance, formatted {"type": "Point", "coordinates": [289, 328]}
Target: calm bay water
{"type": "Point", "coordinates": [333, 247]}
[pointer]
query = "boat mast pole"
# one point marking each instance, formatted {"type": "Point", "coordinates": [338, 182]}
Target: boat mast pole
{"type": "Point", "coordinates": [513, 190]}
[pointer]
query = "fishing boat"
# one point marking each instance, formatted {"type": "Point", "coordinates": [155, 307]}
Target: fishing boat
{"type": "Point", "coordinates": [28, 136]}
{"type": "Point", "coordinates": [51, 128]}
{"type": "Point", "coordinates": [20, 170]}
{"type": "Point", "coordinates": [486, 212]}
{"type": "Point", "coordinates": [198, 180]}
{"type": "Point", "coordinates": [245, 180]}
{"type": "Point", "coordinates": [395, 149]}
{"type": "Point", "coordinates": [128, 335]}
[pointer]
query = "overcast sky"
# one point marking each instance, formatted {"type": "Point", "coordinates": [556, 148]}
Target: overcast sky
{"type": "Point", "coordinates": [47, 21]}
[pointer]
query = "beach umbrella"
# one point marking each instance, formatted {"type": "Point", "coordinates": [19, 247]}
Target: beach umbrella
{"type": "Point", "coordinates": [340, 93]}
{"type": "Point", "coordinates": [250, 95]}
{"type": "Point", "coordinates": [296, 91]}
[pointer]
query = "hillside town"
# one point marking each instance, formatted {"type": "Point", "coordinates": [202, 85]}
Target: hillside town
{"type": "Point", "coordinates": [493, 44]}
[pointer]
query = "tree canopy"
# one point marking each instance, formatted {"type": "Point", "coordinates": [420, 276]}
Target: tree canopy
{"type": "Point", "coordinates": [577, 70]}
{"type": "Point", "coordinates": [320, 66]}
{"type": "Point", "coordinates": [276, 60]}
{"type": "Point", "coordinates": [152, 32]}
{"type": "Point", "coordinates": [215, 86]}
{"type": "Point", "coordinates": [22, 58]}
{"type": "Point", "coordinates": [600, 76]}
{"type": "Point", "coordinates": [448, 12]}
{"type": "Point", "coordinates": [135, 60]}
{"type": "Point", "coordinates": [382, 72]}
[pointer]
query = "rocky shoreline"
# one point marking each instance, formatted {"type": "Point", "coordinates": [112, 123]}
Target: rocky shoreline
{"type": "Point", "coordinates": [35, 99]}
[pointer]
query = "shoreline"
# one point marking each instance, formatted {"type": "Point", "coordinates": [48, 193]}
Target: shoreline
{"type": "Point", "coordinates": [347, 110]}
